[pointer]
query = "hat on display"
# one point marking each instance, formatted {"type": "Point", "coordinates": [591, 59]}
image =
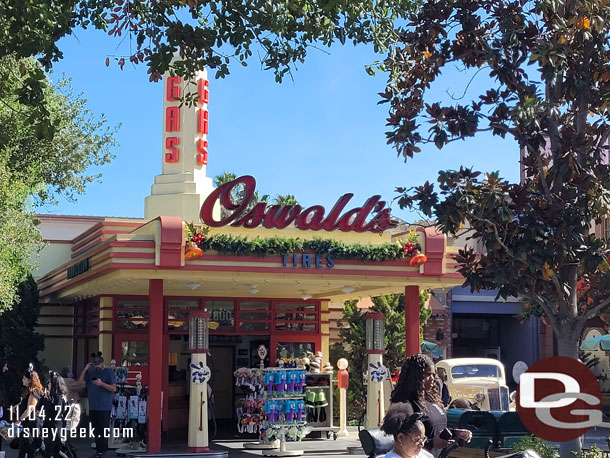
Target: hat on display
{"type": "Point", "coordinates": [328, 367]}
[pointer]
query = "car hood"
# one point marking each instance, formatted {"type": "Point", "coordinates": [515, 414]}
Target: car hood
{"type": "Point", "coordinates": [478, 382]}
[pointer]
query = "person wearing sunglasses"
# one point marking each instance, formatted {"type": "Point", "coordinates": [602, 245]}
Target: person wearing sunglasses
{"type": "Point", "coordinates": [408, 431]}
{"type": "Point", "coordinates": [418, 386]}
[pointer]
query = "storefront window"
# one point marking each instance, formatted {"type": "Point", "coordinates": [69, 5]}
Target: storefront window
{"type": "Point", "coordinates": [134, 353]}
{"type": "Point", "coordinates": [254, 316]}
{"type": "Point", "coordinates": [132, 314]}
{"type": "Point", "coordinates": [296, 317]}
{"type": "Point", "coordinates": [178, 313]}
{"type": "Point", "coordinates": [222, 315]}
{"type": "Point", "coordinates": [295, 349]}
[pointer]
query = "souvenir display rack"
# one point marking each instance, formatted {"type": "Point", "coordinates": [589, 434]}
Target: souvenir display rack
{"type": "Point", "coordinates": [129, 411]}
{"type": "Point", "coordinates": [284, 409]}
{"type": "Point", "coordinates": [322, 409]}
{"type": "Point", "coordinates": [250, 414]}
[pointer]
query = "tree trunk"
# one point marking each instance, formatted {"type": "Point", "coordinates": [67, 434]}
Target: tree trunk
{"type": "Point", "coordinates": [567, 345]}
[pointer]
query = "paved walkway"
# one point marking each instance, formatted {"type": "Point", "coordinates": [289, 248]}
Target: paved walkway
{"type": "Point", "coordinates": [313, 448]}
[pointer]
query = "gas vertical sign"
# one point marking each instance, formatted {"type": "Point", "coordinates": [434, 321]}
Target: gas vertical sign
{"type": "Point", "coordinates": [186, 127]}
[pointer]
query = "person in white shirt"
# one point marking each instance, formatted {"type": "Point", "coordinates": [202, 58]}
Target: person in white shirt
{"type": "Point", "coordinates": [408, 431]}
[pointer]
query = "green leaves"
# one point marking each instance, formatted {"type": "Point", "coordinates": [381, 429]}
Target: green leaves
{"type": "Point", "coordinates": [242, 245]}
{"type": "Point", "coordinates": [48, 140]}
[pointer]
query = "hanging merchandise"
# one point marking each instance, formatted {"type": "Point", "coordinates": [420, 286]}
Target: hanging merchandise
{"type": "Point", "coordinates": [121, 411]}
{"type": "Point", "coordinates": [321, 405]}
{"type": "Point", "coordinates": [310, 403]}
{"type": "Point", "coordinates": [133, 407]}
{"type": "Point", "coordinates": [142, 412]}
{"type": "Point", "coordinates": [131, 413]}
{"type": "Point", "coordinates": [283, 409]}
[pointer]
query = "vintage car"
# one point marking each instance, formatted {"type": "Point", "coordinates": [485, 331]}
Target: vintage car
{"type": "Point", "coordinates": [481, 381]}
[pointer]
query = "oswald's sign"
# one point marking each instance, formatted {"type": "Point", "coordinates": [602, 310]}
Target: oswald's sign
{"type": "Point", "coordinates": [279, 217]}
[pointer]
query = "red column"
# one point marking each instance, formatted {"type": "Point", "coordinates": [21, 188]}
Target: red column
{"type": "Point", "coordinates": [155, 364]}
{"type": "Point", "coordinates": [412, 320]}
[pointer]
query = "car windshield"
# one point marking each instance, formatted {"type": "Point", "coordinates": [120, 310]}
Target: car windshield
{"type": "Point", "coordinates": [475, 370]}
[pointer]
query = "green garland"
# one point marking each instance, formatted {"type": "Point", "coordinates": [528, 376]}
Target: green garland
{"type": "Point", "coordinates": [242, 245]}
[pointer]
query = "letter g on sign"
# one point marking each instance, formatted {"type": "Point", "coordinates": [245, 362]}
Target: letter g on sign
{"type": "Point", "coordinates": [559, 399]}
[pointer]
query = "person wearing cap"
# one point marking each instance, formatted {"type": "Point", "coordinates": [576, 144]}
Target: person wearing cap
{"type": "Point", "coordinates": [101, 386]}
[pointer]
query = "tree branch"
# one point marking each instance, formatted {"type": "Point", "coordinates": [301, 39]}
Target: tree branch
{"type": "Point", "coordinates": [542, 303]}
{"type": "Point", "coordinates": [598, 308]}
{"type": "Point", "coordinates": [545, 185]}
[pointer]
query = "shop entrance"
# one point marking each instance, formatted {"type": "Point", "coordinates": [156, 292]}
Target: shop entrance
{"type": "Point", "coordinates": [221, 366]}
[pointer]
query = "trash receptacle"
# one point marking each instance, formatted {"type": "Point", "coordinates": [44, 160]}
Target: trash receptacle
{"type": "Point", "coordinates": [483, 425]}
{"type": "Point", "coordinates": [453, 417]}
{"type": "Point", "coordinates": [511, 429]}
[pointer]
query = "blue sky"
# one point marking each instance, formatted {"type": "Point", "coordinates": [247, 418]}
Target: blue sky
{"type": "Point", "coordinates": [318, 137]}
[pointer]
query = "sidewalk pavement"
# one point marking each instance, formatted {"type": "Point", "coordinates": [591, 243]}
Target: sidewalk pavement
{"type": "Point", "coordinates": [313, 448]}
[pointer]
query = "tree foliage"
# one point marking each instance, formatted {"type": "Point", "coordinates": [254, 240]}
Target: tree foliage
{"type": "Point", "coordinates": [549, 89]}
{"type": "Point", "coordinates": [36, 170]}
{"type": "Point", "coordinates": [206, 34]}
{"type": "Point", "coordinates": [19, 343]}
{"type": "Point", "coordinates": [353, 331]}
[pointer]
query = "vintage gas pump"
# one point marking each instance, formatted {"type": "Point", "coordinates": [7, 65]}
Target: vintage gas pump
{"type": "Point", "coordinates": [377, 372]}
{"type": "Point", "coordinates": [343, 383]}
{"type": "Point", "coordinates": [200, 375]}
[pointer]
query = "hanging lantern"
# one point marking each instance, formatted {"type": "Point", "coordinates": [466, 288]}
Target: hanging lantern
{"type": "Point", "coordinates": [199, 332]}
{"type": "Point", "coordinates": [375, 332]}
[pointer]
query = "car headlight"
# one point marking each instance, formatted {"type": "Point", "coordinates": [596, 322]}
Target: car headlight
{"type": "Point", "coordinates": [479, 397]}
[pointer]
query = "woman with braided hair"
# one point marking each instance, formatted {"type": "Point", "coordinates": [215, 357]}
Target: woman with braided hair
{"type": "Point", "coordinates": [408, 431]}
{"type": "Point", "coordinates": [418, 386]}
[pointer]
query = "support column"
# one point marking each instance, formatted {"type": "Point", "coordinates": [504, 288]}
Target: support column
{"type": "Point", "coordinates": [375, 409]}
{"type": "Point", "coordinates": [412, 320]}
{"type": "Point", "coordinates": [104, 342]}
{"type": "Point", "coordinates": [198, 441]}
{"type": "Point", "coordinates": [155, 364]}
{"type": "Point", "coordinates": [325, 330]}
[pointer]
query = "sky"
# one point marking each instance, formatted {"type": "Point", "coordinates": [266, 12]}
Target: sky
{"type": "Point", "coordinates": [317, 137]}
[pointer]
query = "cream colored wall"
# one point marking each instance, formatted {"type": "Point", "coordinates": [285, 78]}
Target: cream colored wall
{"type": "Point", "coordinates": [105, 339]}
{"type": "Point", "coordinates": [58, 350]}
{"type": "Point", "coordinates": [57, 353]}
{"type": "Point", "coordinates": [51, 256]}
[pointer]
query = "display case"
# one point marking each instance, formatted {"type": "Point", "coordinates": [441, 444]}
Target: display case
{"type": "Point", "coordinates": [320, 414]}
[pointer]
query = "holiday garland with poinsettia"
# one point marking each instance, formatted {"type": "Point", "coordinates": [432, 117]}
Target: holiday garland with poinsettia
{"type": "Point", "coordinates": [198, 241]}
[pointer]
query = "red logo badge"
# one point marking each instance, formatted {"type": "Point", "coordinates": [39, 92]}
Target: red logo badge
{"type": "Point", "coordinates": [559, 399]}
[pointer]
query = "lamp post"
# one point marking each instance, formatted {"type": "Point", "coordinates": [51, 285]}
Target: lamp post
{"type": "Point", "coordinates": [199, 335]}
{"type": "Point", "coordinates": [377, 372]}
{"type": "Point", "coordinates": [342, 383]}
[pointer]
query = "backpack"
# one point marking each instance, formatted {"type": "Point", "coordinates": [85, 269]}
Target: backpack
{"type": "Point", "coordinates": [73, 415]}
